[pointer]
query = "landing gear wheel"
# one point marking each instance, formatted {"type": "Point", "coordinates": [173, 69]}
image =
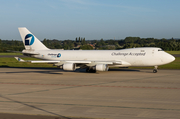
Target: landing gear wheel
{"type": "Point", "coordinates": [155, 71]}
{"type": "Point", "coordinates": [87, 70]}
{"type": "Point", "coordinates": [90, 70]}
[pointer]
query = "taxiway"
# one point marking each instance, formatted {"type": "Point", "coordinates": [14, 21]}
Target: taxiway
{"type": "Point", "coordinates": [118, 93]}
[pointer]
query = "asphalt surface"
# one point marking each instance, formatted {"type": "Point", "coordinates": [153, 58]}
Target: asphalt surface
{"type": "Point", "coordinates": [176, 55]}
{"type": "Point", "coordinates": [116, 94]}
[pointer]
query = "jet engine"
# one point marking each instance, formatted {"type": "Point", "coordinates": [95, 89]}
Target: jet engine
{"type": "Point", "coordinates": [69, 66]}
{"type": "Point", "coordinates": [102, 67]}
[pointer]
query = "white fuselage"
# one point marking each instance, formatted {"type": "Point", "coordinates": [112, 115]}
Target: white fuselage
{"type": "Point", "coordinates": [92, 60]}
{"type": "Point", "coordinates": [132, 57]}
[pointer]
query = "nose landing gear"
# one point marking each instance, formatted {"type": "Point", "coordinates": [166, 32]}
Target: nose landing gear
{"type": "Point", "coordinates": [155, 69]}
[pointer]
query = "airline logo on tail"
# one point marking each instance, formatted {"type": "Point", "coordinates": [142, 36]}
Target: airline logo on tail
{"type": "Point", "coordinates": [29, 39]}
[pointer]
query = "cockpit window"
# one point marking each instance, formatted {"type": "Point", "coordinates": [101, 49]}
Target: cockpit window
{"type": "Point", "coordinates": [160, 50]}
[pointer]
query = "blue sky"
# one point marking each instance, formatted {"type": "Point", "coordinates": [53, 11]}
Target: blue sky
{"type": "Point", "coordinates": [92, 19]}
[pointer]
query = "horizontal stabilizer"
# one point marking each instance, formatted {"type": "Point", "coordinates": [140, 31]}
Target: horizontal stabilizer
{"type": "Point", "coordinates": [19, 59]}
{"type": "Point", "coordinates": [29, 52]}
{"type": "Point", "coordinates": [44, 61]}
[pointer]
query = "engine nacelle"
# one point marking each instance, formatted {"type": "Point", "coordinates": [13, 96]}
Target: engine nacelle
{"type": "Point", "coordinates": [69, 66]}
{"type": "Point", "coordinates": [102, 67]}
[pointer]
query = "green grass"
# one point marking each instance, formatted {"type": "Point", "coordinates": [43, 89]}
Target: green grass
{"type": "Point", "coordinates": [173, 52]}
{"type": "Point", "coordinates": [11, 54]}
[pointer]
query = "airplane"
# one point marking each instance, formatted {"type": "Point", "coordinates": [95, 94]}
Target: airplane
{"type": "Point", "coordinates": [92, 60]}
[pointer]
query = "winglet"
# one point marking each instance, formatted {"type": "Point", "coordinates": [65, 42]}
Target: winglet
{"type": "Point", "coordinates": [19, 59]}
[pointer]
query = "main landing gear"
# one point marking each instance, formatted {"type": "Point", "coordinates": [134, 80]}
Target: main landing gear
{"type": "Point", "coordinates": [155, 69]}
{"type": "Point", "coordinates": [90, 70]}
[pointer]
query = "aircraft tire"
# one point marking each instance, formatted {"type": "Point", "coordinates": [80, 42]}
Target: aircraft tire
{"type": "Point", "coordinates": [90, 70]}
{"type": "Point", "coordinates": [155, 71]}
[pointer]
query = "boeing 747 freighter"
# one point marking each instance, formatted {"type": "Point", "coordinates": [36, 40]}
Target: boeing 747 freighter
{"type": "Point", "coordinates": [92, 60]}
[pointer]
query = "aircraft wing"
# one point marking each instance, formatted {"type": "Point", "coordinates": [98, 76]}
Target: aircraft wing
{"type": "Point", "coordinates": [60, 62]}
{"type": "Point", "coordinates": [88, 63]}
{"type": "Point", "coordinates": [36, 61]}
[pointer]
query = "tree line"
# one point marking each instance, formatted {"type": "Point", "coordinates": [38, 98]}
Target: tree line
{"type": "Point", "coordinates": [80, 43]}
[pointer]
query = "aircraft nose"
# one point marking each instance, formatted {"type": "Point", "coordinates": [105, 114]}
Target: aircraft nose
{"type": "Point", "coordinates": [167, 58]}
{"type": "Point", "coordinates": [170, 58]}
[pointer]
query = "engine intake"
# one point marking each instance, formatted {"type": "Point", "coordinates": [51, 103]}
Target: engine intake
{"type": "Point", "coordinates": [69, 66]}
{"type": "Point", "coordinates": [102, 67]}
